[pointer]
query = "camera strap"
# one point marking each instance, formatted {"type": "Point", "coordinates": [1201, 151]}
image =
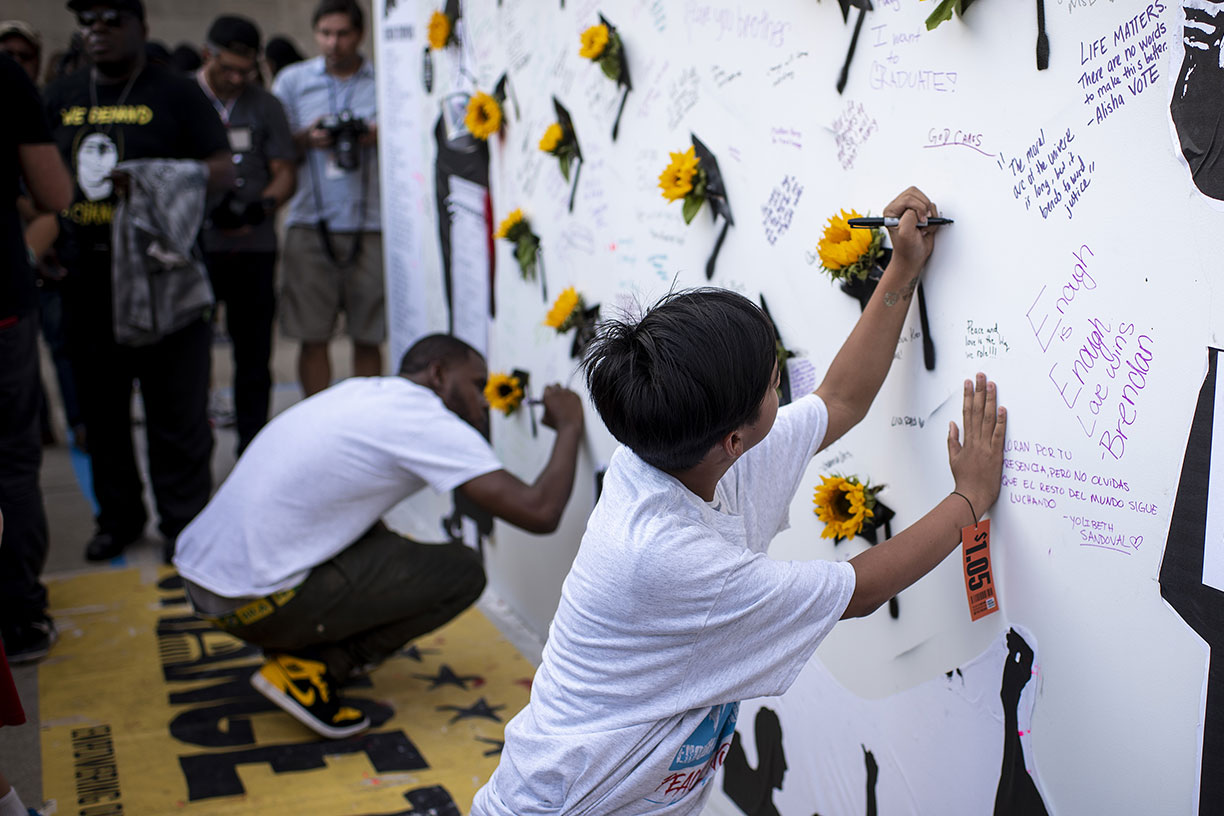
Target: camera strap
{"type": "Point", "coordinates": [350, 85]}
{"type": "Point", "coordinates": [321, 224]}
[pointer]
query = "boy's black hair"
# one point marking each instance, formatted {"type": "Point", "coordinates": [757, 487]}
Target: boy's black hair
{"type": "Point", "coordinates": [694, 368]}
{"type": "Point", "coordinates": [434, 347]}
{"type": "Point", "coordinates": [355, 14]}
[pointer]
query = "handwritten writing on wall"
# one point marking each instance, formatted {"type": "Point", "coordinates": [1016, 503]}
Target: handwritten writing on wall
{"type": "Point", "coordinates": [1049, 174]}
{"type": "Point", "coordinates": [682, 96]}
{"type": "Point", "coordinates": [778, 212]}
{"type": "Point", "coordinates": [786, 136]}
{"type": "Point", "coordinates": [1099, 366]}
{"type": "Point", "coordinates": [852, 129]}
{"type": "Point", "coordinates": [785, 70]}
{"type": "Point", "coordinates": [723, 76]}
{"type": "Point", "coordinates": [955, 137]}
{"type": "Point", "coordinates": [1046, 477]}
{"type": "Point", "coordinates": [891, 70]}
{"type": "Point", "coordinates": [984, 342]}
{"type": "Point", "coordinates": [722, 22]}
{"type": "Point", "coordinates": [1122, 64]}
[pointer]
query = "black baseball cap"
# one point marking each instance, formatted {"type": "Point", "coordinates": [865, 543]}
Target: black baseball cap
{"type": "Point", "coordinates": [136, 7]}
{"type": "Point", "coordinates": [234, 33]}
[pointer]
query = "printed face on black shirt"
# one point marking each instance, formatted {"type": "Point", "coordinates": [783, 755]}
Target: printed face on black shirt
{"type": "Point", "coordinates": [163, 116]}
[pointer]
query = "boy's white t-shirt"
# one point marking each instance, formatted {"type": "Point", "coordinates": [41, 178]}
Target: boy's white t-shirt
{"type": "Point", "coordinates": [671, 614]}
{"type": "Point", "coordinates": [319, 475]}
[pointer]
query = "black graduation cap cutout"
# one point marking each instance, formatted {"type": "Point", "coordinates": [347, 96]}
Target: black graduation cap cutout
{"type": "Point", "coordinates": [453, 12]}
{"type": "Point", "coordinates": [584, 330]}
{"type": "Point", "coordinates": [569, 134]}
{"type": "Point", "coordinates": [1043, 42]}
{"type": "Point", "coordinates": [783, 354]}
{"type": "Point", "coordinates": [614, 65]}
{"type": "Point", "coordinates": [863, 6]}
{"type": "Point", "coordinates": [716, 198]}
{"type": "Point", "coordinates": [882, 516]}
{"type": "Point", "coordinates": [862, 290]}
{"type": "Point", "coordinates": [503, 90]}
{"type": "Point", "coordinates": [524, 379]}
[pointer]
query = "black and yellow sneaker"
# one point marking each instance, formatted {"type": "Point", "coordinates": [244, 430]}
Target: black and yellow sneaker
{"type": "Point", "coordinates": [305, 689]}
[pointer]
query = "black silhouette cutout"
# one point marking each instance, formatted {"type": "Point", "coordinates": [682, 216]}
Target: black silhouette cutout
{"type": "Point", "coordinates": [751, 789]}
{"type": "Point", "coordinates": [1181, 582]}
{"type": "Point", "coordinates": [1017, 794]}
{"type": "Point", "coordinates": [1197, 96]}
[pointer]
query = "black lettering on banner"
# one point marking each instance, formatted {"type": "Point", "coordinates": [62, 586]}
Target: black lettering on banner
{"type": "Point", "coordinates": [95, 771]}
{"type": "Point", "coordinates": [212, 775]}
{"type": "Point", "coordinates": [431, 801]}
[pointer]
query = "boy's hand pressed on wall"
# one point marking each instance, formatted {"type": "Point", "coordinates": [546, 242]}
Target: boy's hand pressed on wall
{"type": "Point", "coordinates": [977, 464]}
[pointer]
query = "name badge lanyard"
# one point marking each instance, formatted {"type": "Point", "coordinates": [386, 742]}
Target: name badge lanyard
{"type": "Point", "coordinates": [224, 110]}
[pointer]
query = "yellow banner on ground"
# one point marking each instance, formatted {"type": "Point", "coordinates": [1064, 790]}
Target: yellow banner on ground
{"type": "Point", "coordinates": [146, 709]}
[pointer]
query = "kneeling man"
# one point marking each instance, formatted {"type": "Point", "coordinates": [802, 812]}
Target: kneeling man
{"type": "Point", "coordinates": [291, 555]}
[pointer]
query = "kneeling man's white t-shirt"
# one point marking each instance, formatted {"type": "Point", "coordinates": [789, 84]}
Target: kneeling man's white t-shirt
{"type": "Point", "coordinates": [319, 475]}
{"type": "Point", "coordinates": [671, 614]}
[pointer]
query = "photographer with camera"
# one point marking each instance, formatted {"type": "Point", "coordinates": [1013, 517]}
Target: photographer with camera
{"type": "Point", "coordinates": [239, 235]}
{"type": "Point", "coordinates": [333, 245]}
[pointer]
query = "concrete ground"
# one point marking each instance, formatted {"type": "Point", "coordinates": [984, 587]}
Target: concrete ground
{"type": "Point", "coordinates": [71, 522]}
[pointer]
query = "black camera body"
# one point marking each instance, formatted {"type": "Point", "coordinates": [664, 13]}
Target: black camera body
{"type": "Point", "coordinates": [346, 130]}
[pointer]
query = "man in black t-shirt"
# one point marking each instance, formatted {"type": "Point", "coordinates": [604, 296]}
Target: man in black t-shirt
{"type": "Point", "coordinates": [26, 154]}
{"type": "Point", "coordinates": [123, 108]}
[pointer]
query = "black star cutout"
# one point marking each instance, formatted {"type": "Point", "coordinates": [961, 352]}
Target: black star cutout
{"type": "Point", "coordinates": [480, 709]}
{"type": "Point", "coordinates": [447, 677]}
{"type": "Point", "coordinates": [497, 745]}
{"type": "Point", "coordinates": [415, 653]}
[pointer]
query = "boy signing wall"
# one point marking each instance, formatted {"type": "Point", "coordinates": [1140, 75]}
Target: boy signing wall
{"type": "Point", "coordinates": [672, 611]}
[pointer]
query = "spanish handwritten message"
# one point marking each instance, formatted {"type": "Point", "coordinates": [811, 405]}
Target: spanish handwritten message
{"type": "Point", "coordinates": [1047, 477]}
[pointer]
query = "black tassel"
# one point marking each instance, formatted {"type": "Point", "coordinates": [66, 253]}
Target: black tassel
{"type": "Point", "coordinates": [928, 345]}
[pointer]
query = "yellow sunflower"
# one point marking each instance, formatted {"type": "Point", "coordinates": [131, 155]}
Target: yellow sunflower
{"type": "Point", "coordinates": [552, 137]}
{"type": "Point", "coordinates": [484, 115]}
{"type": "Point", "coordinates": [504, 392]}
{"type": "Point", "coordinates": [841, 245]}
{"type": "Point", "coordinates": [439, 30]}
{"type": "Point", "coordinates": [512, 220]}
{"type": "Point", "coordinates": [843, 505]}
{"type": "Point", "coordinates": [594, 41]}
{"type": "Point", "coordinates": [677, 180]}
{"type": "Point", "coordinates": [561, 315]}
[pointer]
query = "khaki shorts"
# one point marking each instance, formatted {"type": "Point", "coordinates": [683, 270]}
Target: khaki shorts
{"type": "Point", "coordinates": [315, 290]}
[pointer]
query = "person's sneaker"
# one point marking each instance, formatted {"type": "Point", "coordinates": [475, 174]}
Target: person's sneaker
{"type": "Point", "coordinates": [31, 641]}
{"type": "Point", "coordinates": [305, 689]}
{"type": "Point", "coordinates": [105, 546]}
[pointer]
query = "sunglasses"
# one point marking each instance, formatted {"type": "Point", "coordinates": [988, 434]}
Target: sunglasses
{"type": "Point", "coordinates": [112, 18]}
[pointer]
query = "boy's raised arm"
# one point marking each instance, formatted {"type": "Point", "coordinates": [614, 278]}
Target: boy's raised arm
{"type": "Point", "coordinates": [857, 372]}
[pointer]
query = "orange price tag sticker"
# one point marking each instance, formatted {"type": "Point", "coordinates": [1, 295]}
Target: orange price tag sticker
{"type": "Point", "coordinates": [979, 583]}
